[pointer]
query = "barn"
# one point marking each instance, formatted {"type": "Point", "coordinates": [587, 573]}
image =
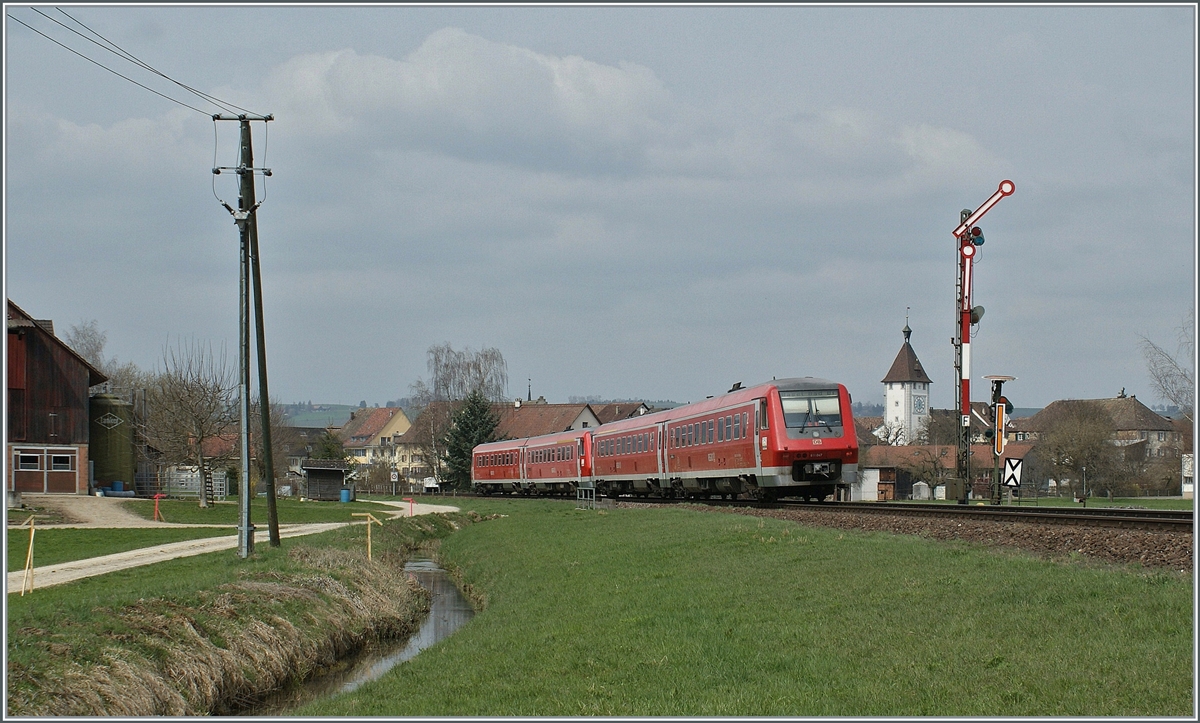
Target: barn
{"type": "Point", "coordinates": [48, 424]}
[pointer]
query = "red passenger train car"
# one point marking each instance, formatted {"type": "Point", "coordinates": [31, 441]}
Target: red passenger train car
{"type": "Point", "coordinates": [785, 438]}
{"type": "Point", "coordinates": [549, 464]}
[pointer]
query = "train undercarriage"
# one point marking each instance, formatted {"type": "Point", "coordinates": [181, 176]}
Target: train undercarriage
{"type": "Point", "coordinates": [745, 487]}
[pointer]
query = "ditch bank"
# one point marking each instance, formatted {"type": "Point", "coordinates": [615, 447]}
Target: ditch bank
{"type": "Point", "coordinates": [220, 651]}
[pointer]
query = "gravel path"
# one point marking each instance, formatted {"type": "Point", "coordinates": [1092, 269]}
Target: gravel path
{"type": "Point", "coordinates": [81, 511]}
{"type": "Point", "coordinates": [1153, 549]}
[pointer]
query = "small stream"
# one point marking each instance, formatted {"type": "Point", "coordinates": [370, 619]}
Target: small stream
{"type": "Point", "coordinates": [448, 611]}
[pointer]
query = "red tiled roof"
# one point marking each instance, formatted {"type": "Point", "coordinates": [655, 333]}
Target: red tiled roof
{"type": "Point", "coordinates": [531, 420]}
{"type": "Point", "coordinates": [616, 411]}
{"type": "Point", "coordinates": [364, 424]}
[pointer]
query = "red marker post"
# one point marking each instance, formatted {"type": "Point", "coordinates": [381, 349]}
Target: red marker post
{"type": "Point", "coordinates": [158, 515]}
{"type": "Point", "coordinates": [409, 500]}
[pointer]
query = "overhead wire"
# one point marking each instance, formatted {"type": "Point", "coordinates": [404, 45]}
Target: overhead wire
{"type": "Point", "coordinates": [129, 57]}
{"type": "Point", "coordinates": [102, 65]}
{"type": "Point", "coordinates": [121, 52]}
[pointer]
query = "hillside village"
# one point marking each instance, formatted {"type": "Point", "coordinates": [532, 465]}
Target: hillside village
{"type": "Point", "coordinates": [68, 433]}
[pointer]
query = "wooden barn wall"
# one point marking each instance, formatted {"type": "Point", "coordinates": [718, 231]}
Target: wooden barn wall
{"type": "Point", "coordinates": [53, 406]}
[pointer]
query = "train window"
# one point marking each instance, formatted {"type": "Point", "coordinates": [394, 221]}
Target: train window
{"type": "Point", "coordinates": [763, 421]}
{"type": "Point", "coordinates": [692, 434]}
{"type": "Point", "coordinates": [811, 408]}
{"type": "Point", "coordinates": [710, 425]}
{"type": "Point", "coordinates": [652, 436]}
{"type": "Point", "coordinates": [641, 443]}
{"type": "Point", "coordinates": [737, 426]}
{"type": "Point", "coordinates": [720, 430]}
{"type": "Point", "coordinates": [746, 423]}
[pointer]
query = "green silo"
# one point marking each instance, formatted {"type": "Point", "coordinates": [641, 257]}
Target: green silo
{"type": "Point", "coordinates": [111, 445]}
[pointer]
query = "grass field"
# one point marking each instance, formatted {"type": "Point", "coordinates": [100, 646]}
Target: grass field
{"type": "Point", "coordinates": [52, 546]}
{"type": "Point", "coordinates": [671, 612]}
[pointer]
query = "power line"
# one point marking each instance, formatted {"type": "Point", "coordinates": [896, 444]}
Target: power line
{"type": "Point", "coordinates": [102, 65]}
{"type": "Point", "coordinates": [121, 52]}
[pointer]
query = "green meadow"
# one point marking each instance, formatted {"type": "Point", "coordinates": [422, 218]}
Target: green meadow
{"type": "Point", "coordinates": [637, 612]}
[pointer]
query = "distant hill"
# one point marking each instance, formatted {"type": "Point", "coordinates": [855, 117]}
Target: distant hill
{"type": "Point", "coordinates": [317, 415]}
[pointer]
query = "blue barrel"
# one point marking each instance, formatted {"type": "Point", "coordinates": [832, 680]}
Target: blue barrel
{"type": "Point", "coordinates": [118, 486]}
{"type": "Point", "coordinates": [345, 495]}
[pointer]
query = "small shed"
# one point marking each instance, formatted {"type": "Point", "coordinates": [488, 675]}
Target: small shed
{"type": "Point", "coordinates": [327, 479]}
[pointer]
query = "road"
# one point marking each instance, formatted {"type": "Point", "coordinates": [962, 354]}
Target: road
{"type": "Point", "coordinates": [109, 512]}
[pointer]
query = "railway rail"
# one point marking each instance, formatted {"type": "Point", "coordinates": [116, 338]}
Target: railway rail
{"type": "Point", "coordinates": [1140, 519]}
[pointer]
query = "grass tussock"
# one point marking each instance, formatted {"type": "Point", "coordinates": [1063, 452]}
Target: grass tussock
{"type": "Point", "coordinates": [219, 648]}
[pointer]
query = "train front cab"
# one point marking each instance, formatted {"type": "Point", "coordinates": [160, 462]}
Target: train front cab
{"type": "Point", "coordinates": [807, 441]}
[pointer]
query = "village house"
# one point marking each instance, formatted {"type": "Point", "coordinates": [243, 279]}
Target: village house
{"type": "Point", "coordinates": [1134, 424]}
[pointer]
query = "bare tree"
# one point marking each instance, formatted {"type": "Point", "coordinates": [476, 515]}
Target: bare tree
{"type": "Point", "coordinates": [283, 438]}
{"type": "Point", "coordinates": [192, 406]}
{"type": "Point", "coordinates": [892, 434]}
{"type": "Point", "coordinates": [928, 464]}
{"type": "Point", "coordinates": [88, 341]}
{"type": "Point", "coordinates": [453, 375]}
{"type": "Point", "coordinates": [1173, 376]}
{"type": "Point", "coordinates": [1077, 442]}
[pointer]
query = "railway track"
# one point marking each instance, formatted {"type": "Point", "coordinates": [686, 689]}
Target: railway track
{"type": "Point", "coordinates": [1135, 519]}
{"type": "Point", "coordinates": [1175, 520]}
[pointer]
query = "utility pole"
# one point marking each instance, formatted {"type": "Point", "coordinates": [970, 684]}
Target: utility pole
{"type": "Point", "coordinates": [247, 224]}
{"type": "Point", "coordinates": [969, 237]}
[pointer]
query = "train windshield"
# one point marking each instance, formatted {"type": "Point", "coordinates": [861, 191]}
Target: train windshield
{"type": "Point", "coordinates": [816, 408]}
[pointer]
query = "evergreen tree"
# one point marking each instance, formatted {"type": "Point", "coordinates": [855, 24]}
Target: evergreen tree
{"type": "Point", "coordinates": [329, 447]}
{"type": "Point", "coordinates": [474, 423]}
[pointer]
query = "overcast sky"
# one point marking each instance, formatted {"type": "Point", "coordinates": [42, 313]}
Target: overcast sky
{"type": "Point", "coordinates": [627, 202]}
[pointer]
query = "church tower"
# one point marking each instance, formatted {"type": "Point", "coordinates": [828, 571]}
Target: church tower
{"type": "Point", "coordinates": [905, 395]}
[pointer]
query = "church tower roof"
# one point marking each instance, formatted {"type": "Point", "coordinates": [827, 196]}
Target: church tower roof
{"type": "Point", "coordinates": [907, 367]}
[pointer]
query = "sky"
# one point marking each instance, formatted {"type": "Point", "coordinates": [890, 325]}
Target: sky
{"type": "Point", "coordinates": [627, 202]}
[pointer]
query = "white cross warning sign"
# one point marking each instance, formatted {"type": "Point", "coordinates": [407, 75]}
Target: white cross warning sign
{"type": "Point", "coordinates": [1012, 472]}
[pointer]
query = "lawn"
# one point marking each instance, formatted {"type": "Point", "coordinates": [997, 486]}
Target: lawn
{"type": "Point", "coordinates": [154, 640]}
{"type": "Point", "coordinates": [52, 546]}
{"type": "Point", "coordinates": [669, 612]}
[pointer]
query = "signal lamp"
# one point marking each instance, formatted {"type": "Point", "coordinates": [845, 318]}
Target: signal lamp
{"type": "Point", "coordinates": [976, 314]}
{"type": "Point", "coordinates": [977, 236]}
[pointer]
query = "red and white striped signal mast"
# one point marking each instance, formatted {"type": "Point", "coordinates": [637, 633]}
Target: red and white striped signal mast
{"type": "Point", "coordinates": [970, 237]}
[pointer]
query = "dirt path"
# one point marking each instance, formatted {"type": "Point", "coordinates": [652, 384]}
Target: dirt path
{"type": "Point", "coordinates": [109, 512]}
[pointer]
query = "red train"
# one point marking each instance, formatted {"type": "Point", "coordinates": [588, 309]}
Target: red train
{"type": "Point", "coordinates": [784, 438]}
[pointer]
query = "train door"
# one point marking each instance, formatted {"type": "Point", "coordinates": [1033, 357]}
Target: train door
{"type": "Point", "coordinates": [760, 407]}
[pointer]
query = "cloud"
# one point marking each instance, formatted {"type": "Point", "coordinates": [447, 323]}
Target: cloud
{"type": "Point", "coordinates": [464, 96]}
